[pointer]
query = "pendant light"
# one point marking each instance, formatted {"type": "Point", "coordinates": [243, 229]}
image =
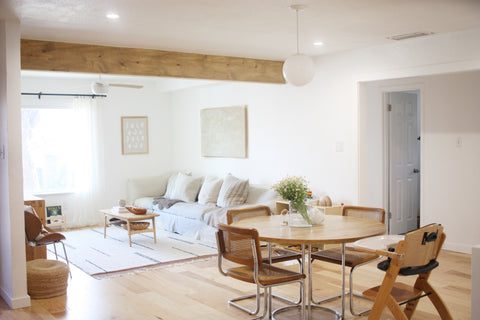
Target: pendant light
{"type": "Point", "coordinates": [298, 69]}
{"type": "Point", "coordinates": [99, 87]}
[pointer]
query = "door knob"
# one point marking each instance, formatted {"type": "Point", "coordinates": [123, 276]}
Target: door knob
{"type": "Point", "coordinates": [416, 170]}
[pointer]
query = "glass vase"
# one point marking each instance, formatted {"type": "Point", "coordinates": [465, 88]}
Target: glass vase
{"type": "Point", "coordinates": [295, 219]}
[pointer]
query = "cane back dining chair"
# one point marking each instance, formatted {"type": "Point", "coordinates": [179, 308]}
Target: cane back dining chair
{"type": "Point", "coordinates": [242, 247]}
{"type": "Point", "coordinates": [274, 255]}
{"type": "Point", "coordinates": [37, 234]}
{"type": "Point", "coordinates": [416, 255]}
{"type": "Point", "coordinates": [353, 258]}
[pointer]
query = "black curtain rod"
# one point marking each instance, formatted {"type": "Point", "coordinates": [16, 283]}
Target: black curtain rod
{"type": "Point", "coordinates": [40, 94]}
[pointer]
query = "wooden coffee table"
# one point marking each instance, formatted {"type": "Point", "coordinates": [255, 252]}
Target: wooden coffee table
{"type": "Point", "coordinates": [130, 217]}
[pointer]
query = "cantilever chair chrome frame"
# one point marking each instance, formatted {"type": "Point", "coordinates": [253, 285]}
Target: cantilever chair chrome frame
{"type": "Point", "coordinates": [251, 268]}
{"type": "Point", "coordinates": [272, 255]}
{"type": "Point", "coordinates": [353, 258]}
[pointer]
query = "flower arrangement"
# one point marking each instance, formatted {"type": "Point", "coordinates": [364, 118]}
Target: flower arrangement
{"type": "Point", "coordinates": [294, 189]}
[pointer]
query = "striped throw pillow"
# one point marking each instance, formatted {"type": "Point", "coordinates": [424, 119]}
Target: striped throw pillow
{"type": "Point", "coordinates": [234, 192]}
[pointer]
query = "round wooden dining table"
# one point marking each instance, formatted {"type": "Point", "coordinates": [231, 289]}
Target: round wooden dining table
{"type": "Point", "coordinates": [334, 230]}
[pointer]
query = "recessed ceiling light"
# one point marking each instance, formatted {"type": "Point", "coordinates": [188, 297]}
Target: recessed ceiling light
{"type": "Point", "coordinates": [112, 16]}
{"type": "Point", "coordinates": [318, 43]}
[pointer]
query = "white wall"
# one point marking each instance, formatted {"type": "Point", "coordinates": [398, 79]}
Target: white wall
{"type": "Point", "coordinates": [450, 111]}
{"type": "Point", "coordinates": [296, 130]}
{"type": "Point", "coordinates": [13, 286]}
{"type": "Point", "coordinates": [290, 131]}
{"type": "Point", "coordinates": [119, 102]}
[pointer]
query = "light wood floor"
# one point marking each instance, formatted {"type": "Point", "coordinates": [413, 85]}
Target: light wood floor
{"type": "Point", "coordinates": [196, 290]}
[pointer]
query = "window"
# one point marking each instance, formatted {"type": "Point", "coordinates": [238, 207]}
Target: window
{"type": "Point", "coordinates": [48, 149]}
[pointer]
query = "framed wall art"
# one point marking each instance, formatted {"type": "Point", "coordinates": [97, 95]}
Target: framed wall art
{"type": "Point", "coordinates": [224, 132]}
{"type": "Point", "coordinates": [134, 135]}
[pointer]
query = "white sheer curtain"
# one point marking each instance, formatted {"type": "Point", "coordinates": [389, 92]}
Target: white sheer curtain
{"type": "Point", "coordinates": [88, 182]}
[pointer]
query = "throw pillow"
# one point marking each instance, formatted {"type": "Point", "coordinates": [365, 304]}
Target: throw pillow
{"type": "Point", "coordinates": [171, 184]}
{"type": "Point", "coordinates": [186, 188]}
{"type": "Point", "coordinates": [209, 191]}
{"type": "Point", "coordinates": [234, 192]}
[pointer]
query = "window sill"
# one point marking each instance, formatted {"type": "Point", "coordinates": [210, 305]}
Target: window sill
{"type": "Point", "coordinates": [53, 193]}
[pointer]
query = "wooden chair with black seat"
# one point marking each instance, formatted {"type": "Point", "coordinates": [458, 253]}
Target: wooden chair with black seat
{"type": "Point", "coordinates": [353, 258]}
{"type": "Point", "coordinates": [37, 234]}
{"type": "Point", "coordinates": [269, 255]}
{"type": "Point", "coordinates": [242, 247]}
{"type": "Point", "coordinates": [415, 255]}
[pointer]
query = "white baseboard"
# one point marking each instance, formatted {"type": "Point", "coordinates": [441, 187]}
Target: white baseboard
{"type": "Point", "coordinates": [457, 247]}
{"type": "Point", "coordinates": [15, 303]}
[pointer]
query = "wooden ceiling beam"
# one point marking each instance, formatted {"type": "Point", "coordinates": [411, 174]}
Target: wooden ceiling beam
{"type": "Point", "coordinates": [75, 57]}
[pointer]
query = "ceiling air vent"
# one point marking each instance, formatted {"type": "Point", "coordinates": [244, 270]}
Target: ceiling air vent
{"type": "Point", "coordinates": [409, 35]}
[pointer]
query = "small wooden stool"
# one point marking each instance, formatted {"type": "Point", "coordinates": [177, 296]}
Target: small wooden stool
{"type": "Point", "coordinates": [46, 278]}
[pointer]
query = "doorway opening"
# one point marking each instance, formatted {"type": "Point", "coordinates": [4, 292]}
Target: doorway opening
{"type": "Point", "coordinates": [402, 120]}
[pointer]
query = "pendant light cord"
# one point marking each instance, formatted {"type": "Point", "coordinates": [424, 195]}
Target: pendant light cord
{"type": "Point", "coordinates": [298, 51]}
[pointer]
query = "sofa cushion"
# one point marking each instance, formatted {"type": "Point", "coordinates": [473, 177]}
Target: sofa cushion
{"type": "Point", "coordinates": [233, 192]}
{"type": "Point", "coordinates": [209, 191]}
{"type": "Point", "coordinates": [189, 210]}
{"type": "Point", "coordinates": [186, 188]}
{"type": "Point", "coordinates": [146, 187]}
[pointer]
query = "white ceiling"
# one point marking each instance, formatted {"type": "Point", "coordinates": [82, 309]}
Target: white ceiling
{"type": "Point", "coordinates": [262, 29]}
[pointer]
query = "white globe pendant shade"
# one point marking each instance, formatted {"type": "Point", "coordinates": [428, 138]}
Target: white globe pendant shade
{"type": "Point", "coordinates": [298, 69]}
{"type": "Point", "coordinates": [99, 87]}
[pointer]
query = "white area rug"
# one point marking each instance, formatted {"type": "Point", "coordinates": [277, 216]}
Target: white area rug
{"type": "Point", "coordinates": [90, 252]}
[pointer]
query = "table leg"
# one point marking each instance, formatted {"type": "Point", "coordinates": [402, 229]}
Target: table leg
{"type": "Point", "coordinates": [105, 228]}
{"type": "Point", "coordinates": [306, 308]}
{"type": "Point", "coordinates": [343, 281]}
{"type": "Point", "coordinates": [307, 313]}
{"type": "Point", "coordinates": [129, 233]}
{"type": "Point", "coordinates": [154, 230]}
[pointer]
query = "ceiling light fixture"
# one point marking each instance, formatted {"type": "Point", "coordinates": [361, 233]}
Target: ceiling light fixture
{"type": "Point", "coordinates": [299, 68]}
{"type": "Point", "coordinates": [99, 87]}
{"type": "Point", "coordinates": [112, 16]}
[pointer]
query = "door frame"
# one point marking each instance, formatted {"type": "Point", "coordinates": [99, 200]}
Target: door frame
{"type": "Point", "coordinates": [385, 90]}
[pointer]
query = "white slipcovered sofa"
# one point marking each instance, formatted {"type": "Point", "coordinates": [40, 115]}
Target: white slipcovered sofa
{"type": "Point", "coordinates": [193, 206]}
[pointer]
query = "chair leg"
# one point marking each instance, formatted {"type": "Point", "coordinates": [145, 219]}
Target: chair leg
{"type": "Point", "coordinates": [300, 290]}
{"type": "Point", "coordinates": [438, 303]}
{"type": "Point", "coordinates": [66, 258]}
{"type": "Point", "coordinates": [352, 294]}
{"type": "Point", "coordinates": [423, 285]}
{"type": "Point", "coordinates": [55, 248]}
{"type": "Point", "coordinates": [385, 291]}
{"type": "Point", "coordinates": [395, 309]}
{"type": "Point", "coordinates": [257, 304]}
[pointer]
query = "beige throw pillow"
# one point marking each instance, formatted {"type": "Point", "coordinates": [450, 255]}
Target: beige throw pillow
{"type": "Point", "coordinates": [186, 188]}
{"type": "Point", "coordinates": [234, 192]}
{"type": "Point", "coordinates": [209, 191]}
{"type": "Point", "coordinates": [146, 187]}
{"type": "Point", "coordinates": [171, 184]}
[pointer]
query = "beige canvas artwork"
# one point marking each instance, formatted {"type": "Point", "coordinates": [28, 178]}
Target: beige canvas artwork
{"type": "Point", "coordinates": [134, 135]}
{"type": "Point", "coordinates": [224, 132]}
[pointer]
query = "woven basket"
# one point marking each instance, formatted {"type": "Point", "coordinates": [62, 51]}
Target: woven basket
{"type": "Point", "coordinates": [137, 225]}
